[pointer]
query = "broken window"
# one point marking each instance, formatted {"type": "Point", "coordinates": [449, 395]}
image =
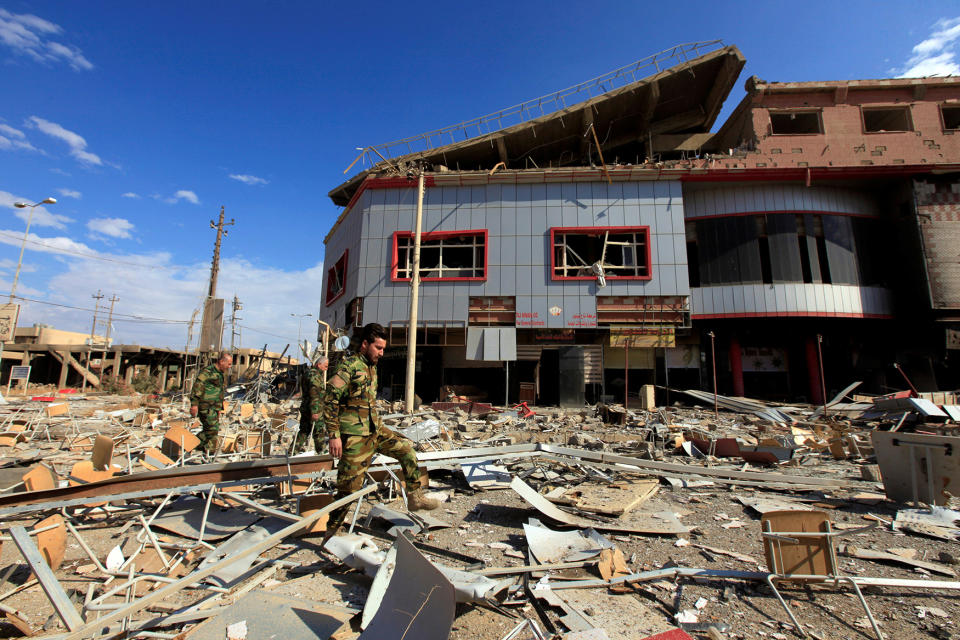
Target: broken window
{"type": "Point", "coordinates": [444, 255]}
{"type": "Point", "coordinates": [336, 278]}
{"type": "Point", "coordinates": [886, 119]}
{"type": "Point", "coordinates": [951, 116]}
{"type": "Point", "coordinates": [795, 122]}
{"type": "Point", "coordinates": [610, 252]}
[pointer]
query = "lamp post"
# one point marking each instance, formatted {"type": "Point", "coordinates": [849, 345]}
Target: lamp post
{"type": "Point", "coordinates": [24, 205]}
{"type": "Point", "coordinates": [300, 317]}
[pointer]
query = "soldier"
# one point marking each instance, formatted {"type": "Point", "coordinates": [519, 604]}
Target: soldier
{"type": "Point", "coordinates": [311, 406]}
{"type": "Point", "coordinates": [355, 431]}
{"type": "Point", "coordinates": [206, 400]}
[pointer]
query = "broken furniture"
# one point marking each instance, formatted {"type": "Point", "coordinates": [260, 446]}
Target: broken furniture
{"type": "Point", "coordinates": [798, 546]}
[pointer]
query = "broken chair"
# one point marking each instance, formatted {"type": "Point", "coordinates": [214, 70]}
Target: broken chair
{"type": "Point", "coordinates": [798, 546]}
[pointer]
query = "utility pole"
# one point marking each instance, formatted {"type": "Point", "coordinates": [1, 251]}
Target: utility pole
{"type": "Point", "coordinates": [215, 267]}
{"type": "Point", "coordinates": [93, 331]}
{"type": "Point", "coordinates": [414, 300]}
{"type": "Point", "coordinates": [96, 309]}
{"type": "Point", "coordinates": [237, 306]}
{"type": "Point", "coordinates": [113, 301]}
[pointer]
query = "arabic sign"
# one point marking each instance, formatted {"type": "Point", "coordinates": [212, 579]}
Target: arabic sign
{"type": "Point", "coordinates": [8, 320]}
{"type": "Point", "coordinates": [643, 337]}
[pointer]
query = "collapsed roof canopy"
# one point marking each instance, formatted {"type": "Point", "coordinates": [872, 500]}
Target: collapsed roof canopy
{"type": "Point", "coordinates": [682, 99]}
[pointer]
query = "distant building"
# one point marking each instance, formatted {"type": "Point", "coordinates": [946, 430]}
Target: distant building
{"type": "Point", "coordinates": [818, 208]}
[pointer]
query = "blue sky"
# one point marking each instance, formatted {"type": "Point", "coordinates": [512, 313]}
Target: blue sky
{"type": "Point", "coordinates": [142, 119]}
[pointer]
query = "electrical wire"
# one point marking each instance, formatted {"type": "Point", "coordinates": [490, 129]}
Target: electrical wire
{"type": "Point", "coordinates": [122, 317]}
{"type": "Point", "coordinates": [80, 254]}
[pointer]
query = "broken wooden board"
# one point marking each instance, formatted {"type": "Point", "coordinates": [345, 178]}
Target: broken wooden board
{"type": "Point", "coordinates": [40, 478]}
{"type": "Point", "coordinates": [306, 505]}
{"type": "Point", "coordinates": [621, 616]}
{"type": "Point", "coordinates": [177, 438]}
{"type": "Point", "coordinates": [154, 460]}
{"type": "Point", "coordinates": [102, 455]}
{"type": "Point", "coordinates": [809, 555]}
{"type": "Point", "coordinates": [665, 523]}
{"type": "Point", "coordinates": [766, 505]}
{"type": "Point", "coordinates": [885, 556]}
{"type": "Point", "coordinates": [59, 409]}
{"type": "Point", "coordinates": [612, 499]}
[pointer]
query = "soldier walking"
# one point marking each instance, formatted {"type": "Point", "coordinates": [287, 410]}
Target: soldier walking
{"type": "Point", "coordinates": [356, 432]}
{"type": "Point", "coordinates": [206, 400]}
{"type": "Point", "coordinates": [311, 407]}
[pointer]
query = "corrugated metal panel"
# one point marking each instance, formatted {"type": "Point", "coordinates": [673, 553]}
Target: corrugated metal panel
{"type": "Point", "coordinates": [529, 352]}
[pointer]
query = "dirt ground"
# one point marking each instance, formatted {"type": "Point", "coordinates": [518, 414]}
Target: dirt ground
{"type": "Point", "coordinates": [487, 526]}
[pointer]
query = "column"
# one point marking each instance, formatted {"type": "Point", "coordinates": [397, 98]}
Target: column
{"type": "Point", "coordinates": [736, 366]}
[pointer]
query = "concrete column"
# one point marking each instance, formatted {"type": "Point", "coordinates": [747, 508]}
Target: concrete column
{"type": "Point", "coordinates": [813, 371]}
{"type": "Point", "coordinates": [128, 374]}
{"type": "Point", "coordinates": [163, 378]}
{"type": "Point", "coordinates": [117, 361]}
{"type": "Point", "coordinates": [64, 369]}
{"type": "Point", "coordinates": [736, 366]}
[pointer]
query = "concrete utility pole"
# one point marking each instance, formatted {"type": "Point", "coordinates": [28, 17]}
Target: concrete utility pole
{"type": "Point", "coordinates": [215, 267]}
{"type": "Point", "coordinates": [237, 306]}
{"type": "Point", "coordinates": [414, 300]}
{"type": "Point", "coordinates": [96, 309]}
{"type": "Point", "coordinates": [113, 301]}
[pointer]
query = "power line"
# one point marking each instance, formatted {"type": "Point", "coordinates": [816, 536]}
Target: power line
{"type": "Point", "coordinates": [119, 317]}
{"type": "Point", "coordinates": [266, 333]}
{"type": "Point", "coordinates": [88, 256]}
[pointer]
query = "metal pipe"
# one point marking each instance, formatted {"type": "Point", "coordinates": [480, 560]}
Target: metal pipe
{"type": "Point", "coordinates": [414, 301]}
{"type": "Point", "coordinates": [823, 383]}
{"type": "Point", "coordinates": [713, 362]}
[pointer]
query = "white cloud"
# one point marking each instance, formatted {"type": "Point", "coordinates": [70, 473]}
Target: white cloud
{"type": "Point", "coordinates": [27, 34]}
{"type": "Point", "coordinates": [182, 194]}
{"type": "Point", "coordinates": [248, 179]}
{"type": "Point", "coordinates": [131, 195]}
{"type": "Point", "coordinates": [936, 55]}
{"type": "Point", "coordinates": [76, 142]}
{"type": "Point", "coordinates": [60, 172]}
{"type": "Point", "coordinates": [153, 286]}
{"type": "Point", "coordinates": [11, 138]}
{"type": "Point", "coordinates": [113, 227]}
{"type": "Point", "coordinates": [70, 193]}
{"type": "Point", "coordinates": [41, 217]}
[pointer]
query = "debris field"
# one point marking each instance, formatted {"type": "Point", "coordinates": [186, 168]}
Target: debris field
{"type": "Point", "coordinates": [757, 521]}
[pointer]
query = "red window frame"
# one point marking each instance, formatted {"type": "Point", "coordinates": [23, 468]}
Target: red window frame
{"type": "Point", "coordinates": [599, 231]}
{"type": "Point", "coordinates": [438, 235]}
{"type": "Point", "coordinates": [342, 264]}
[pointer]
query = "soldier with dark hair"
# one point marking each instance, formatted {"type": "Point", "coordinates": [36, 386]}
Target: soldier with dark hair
{"type": "Point", "coordinates": [355, 430]}
{"type": "Point", "coordinates": [311, 406]}
{"type": "Point", "coordinates": [206, 399]}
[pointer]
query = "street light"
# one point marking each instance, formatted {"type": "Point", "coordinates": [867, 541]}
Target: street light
{"type": "Point", "coordinates": [24, 205]}
{"type": "Point", "coordinates": [300, 318]}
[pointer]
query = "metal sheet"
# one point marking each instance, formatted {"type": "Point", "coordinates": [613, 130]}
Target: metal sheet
{"type": "Point", "coordinates": [265, 613]}
{"type": "Point", "coordinates": [918, 466]}
{"type": "Point", "coordinates": [185, 515]}
{"type": "Point", "coordinates": [51, 586]}
{"type": "Point", "coordinates": [549, 546]}
{"type": "Point", "coordinates": [419, 603]}
{"type": "Point", "coordinates": [486, 475]}
{"type": "Point", "coordinates": [248, 537]}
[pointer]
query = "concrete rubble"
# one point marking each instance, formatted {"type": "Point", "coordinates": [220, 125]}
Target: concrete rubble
{"type": "Point", "coordinates": [600, 522]}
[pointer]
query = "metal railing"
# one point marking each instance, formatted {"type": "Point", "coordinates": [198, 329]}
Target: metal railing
{"type": "Point", "coordinates": [541, 106]}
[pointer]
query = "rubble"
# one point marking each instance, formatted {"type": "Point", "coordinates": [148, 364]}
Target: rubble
{"type": "Point", "coordinates": [118, 524]}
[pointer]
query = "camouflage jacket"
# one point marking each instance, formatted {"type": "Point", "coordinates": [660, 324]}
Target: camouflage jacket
{"type": "Point", "coordinates": [208, 389]}
{"type": "Point", "coordinates": [350, 403]}
{"type": "Point", "coordinates": [311, 391]}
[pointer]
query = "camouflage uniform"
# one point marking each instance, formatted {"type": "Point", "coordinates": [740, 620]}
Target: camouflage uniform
{"type": "Point", "coordinates": [350, 413]}
{"type": "Point", "coordinates": [207, 396]}
{"type": "Point", "coordinates": [311, 404]}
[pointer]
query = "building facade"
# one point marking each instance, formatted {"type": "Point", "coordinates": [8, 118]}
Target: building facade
{"type": "Point", "coordinates": [816, 229]}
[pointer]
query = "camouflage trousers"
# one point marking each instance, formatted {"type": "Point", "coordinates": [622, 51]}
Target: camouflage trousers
{"type": "Point", "coordinates": [210, 427]}
{"type": "Point", "coordinates": [358, 451]}
{"type": "Point", "coordinates": [303, 436]}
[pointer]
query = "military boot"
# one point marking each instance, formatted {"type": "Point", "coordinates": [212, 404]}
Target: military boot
{"type": "Point", "coordinates": [417, 501]}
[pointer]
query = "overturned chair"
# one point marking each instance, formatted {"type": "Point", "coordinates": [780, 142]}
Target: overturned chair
{"type": "Point", "coordinates": [798, 546]}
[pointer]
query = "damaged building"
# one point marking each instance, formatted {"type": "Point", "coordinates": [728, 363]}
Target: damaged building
{"type": "Point", "coordinates": [602, 238]}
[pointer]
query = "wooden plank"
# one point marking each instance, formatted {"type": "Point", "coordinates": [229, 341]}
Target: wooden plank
{"type": "Point", "coordinates": [613, 499]}
{"type": "Point", "coordinates": [871, 554]}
